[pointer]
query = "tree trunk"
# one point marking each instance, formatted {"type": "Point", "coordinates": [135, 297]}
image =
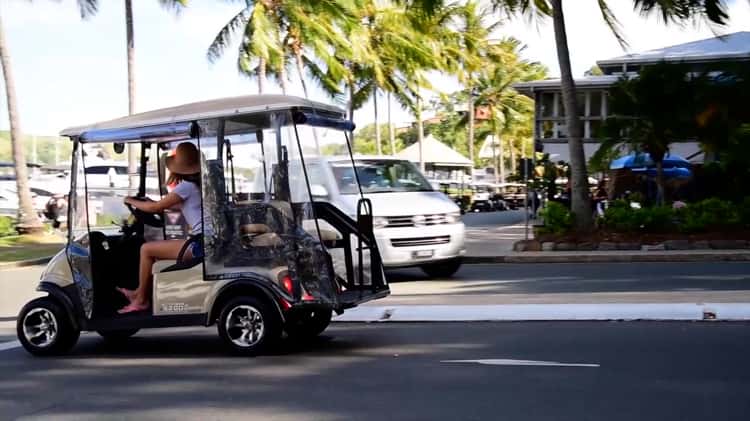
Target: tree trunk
{"type": "Point", "coordinates": [512, 156]}
{"type": "Point", "coordinates": [378, 146]}
{"type": "Point", "coordinates": [660, 191]}
{"type": "Point", "coordinates": [494, 159]}
{"type": "Point", "coordinates": [420, 134]}
{"type": "Point", "coordinates": [28, 221]}
{"type": "Point", "coordinates": [501, 158]}
{"type": "Point", "coordinates": [471, 127]}
{"type": "Point", "coordinates": [261, 76]}
{"type": "Point", "coordinates": [133, 150]}
{"type": "Point", "coordinates": [301, 71]}
{"type": "Point", "coordinates": [283, 77]}
{"type": "Point", "coordinates": [580, 200]}
{"type": "Point", "coordinates": [351, 112]}
{"type": "Point", "coordinates": [391, 131]}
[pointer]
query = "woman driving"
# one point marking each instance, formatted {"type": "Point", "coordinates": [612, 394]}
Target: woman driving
{"type": "Point", "coordinates": [184, 168]}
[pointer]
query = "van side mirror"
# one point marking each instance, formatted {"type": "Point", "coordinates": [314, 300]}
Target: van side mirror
{"type": "Point", "coordinates": [119, 148]}
{"type": "Point", "coordinates": [317, 190]}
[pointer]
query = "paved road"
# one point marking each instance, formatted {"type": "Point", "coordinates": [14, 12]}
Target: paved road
{"type": "Point", "coordinates": [646, 371]}
{"type": "Point", "coordinates": [514, 283]}
{"type": "Point", "coordinates": [493, 233]}
{"type": "Point", "coordinates": [575, 283]}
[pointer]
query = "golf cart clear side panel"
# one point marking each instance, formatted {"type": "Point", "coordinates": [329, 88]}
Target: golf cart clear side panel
{"type": "Point", "coordinates": [267, 231]}
{"type": "Point", "coordinates": [333, 181]}
{"type": "Point", "coordinates": [79, 251]}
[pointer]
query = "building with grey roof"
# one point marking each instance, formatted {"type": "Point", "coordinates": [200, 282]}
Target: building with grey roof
{"type": "Point", "coordinates": [592, 90]}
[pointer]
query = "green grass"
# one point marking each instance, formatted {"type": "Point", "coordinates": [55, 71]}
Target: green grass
{"type": "Point", "coordinates": [25, 247]}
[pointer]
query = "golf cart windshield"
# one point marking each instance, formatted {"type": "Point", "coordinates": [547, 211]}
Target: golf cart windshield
{"type": "Point", "coordinates": [379, 176]}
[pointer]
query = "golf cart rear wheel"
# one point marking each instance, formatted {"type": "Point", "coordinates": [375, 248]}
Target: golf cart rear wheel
{"type": "Point", "coordinates": [44, 328]}
{"type": "Point", "coordinates": [307, 324]}
{"type": "Point", "coordinates": [249, 326]}
{"type": "Point", "coordinates": [117, 335]}
{"type": "Point", "coordinates": [444, 269]}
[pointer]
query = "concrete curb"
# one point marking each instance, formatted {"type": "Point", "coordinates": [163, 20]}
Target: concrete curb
{"type": "Point", "coordinates": [549, 312]}
{"type": "Point", "coordinates": [605, 257]}
{"type": "Point", "coordinates": [25, 263]}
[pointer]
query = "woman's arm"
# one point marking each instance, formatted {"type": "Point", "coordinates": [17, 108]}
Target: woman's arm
{"type": "Point", "coordinates": [168, 201]}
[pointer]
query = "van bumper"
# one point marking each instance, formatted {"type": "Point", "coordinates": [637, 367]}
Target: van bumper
{"type": "Point", "coordinates": [431, 244]}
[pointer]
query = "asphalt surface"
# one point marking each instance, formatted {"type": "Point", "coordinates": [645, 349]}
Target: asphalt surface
{"type": "Point", "coordinates": [511, 283]}
{"type": "Point", "coordinates": [575, 283]}
{"type": "Point", "coordinates": [493, 219]}
{"type": "Point", "coordinates": [643, 371]}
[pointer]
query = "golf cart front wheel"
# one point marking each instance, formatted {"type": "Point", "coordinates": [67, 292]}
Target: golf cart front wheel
{"type": "Point", "coordinates": [44, 328]}
{"type": "Point", "coordinates": [248, 325]}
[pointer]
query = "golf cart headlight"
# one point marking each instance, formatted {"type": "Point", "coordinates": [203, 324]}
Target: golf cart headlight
{"type": "Point", "coordinates": [379, 222]}
{"type": "Point", "coordinates": [453, 217]}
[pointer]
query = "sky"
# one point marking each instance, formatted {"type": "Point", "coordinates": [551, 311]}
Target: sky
{"type": "Point", "coordinates": [70, 71]}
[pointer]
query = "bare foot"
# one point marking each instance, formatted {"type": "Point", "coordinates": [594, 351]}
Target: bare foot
{"type": "Point", "coordinates": [133, 307]}
{"type": "Point", "coordinates": [129, 294]}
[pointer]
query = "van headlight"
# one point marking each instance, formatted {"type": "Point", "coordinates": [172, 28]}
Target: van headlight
{"type": "Point", "coordinates": [453, 218]}
{"type": "Point", "coordinates": [379, 222]}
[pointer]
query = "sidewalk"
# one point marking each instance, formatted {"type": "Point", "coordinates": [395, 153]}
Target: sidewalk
{"type": "Point", "coordinates": [494, 244]}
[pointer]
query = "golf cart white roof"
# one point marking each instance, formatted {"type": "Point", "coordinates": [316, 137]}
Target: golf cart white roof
{"type": "Point", "coordinates": [215, 108]}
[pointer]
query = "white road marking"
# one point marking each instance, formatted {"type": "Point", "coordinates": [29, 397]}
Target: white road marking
{"type": "Point", "coordinates": [9, 345]}
{"type": "Point", "coordinates": [521, 362]}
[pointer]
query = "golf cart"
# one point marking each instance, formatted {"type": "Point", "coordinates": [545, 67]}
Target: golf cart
{"type": "Point", "coordinates": [274, 260]}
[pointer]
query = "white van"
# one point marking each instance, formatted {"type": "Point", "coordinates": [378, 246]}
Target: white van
{"type": "Point", "coordinates": [414, 224]}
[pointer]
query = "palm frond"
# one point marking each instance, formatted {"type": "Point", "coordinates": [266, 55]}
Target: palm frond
{"type": "Point", "coordinates": [224, 38]}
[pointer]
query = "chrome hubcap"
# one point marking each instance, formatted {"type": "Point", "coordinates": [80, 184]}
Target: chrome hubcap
{"type": "Point", "coordinates": [245, 326]}
{"type": "Point", "coordinates": [40, 327]}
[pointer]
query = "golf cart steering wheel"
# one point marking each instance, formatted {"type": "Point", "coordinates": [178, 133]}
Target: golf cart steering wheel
{"type": "Point", "coordinates": [150, 219]}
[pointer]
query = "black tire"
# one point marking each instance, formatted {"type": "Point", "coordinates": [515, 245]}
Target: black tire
{"type": "Point", "coordinates": [444, 269]}
{"type": "Point", "coordinates": [267, 327]}
{"type": "Point", "coordinates": [117, 336]}
{"type": "Point", "coordinates": [48, 316]}
{"type": "Point", "coordinates": [308, 324]}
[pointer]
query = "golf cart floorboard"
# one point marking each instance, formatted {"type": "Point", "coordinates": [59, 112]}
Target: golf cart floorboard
{"type": "Point", "coordinates": [145, 320]}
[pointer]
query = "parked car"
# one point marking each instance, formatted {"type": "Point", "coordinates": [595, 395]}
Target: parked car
{"type": "Point", "coordinates": [415, 226]}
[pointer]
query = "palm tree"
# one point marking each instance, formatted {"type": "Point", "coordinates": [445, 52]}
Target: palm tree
{"type": "Point", "coordinates": [509, 110]}
{"type": "Point", "coordinates": [389, 50]}
{"type": "Point", "coordinates": [473, 41]}
{"type": "Point", "coordinates": [274, 33]}
{"type": "Point", "coordinates": [28, 221]}
{"type": "Point", "coordinates": [89, 8]}
{"type": "Point", "coordinates": [675, 11]}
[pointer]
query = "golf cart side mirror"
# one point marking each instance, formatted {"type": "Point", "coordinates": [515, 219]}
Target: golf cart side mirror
{"type": "Point", "coordinates": [119, 148]}
{"type": "Point", "coordinates": [317, 190]}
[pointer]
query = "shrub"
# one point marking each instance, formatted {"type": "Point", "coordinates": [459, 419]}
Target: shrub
{"type": "Point", "coordinates": [620, 217]}
{"type": "Point", "coordinates": [557, 219]}
{"type": "Point", "coordinates": [7, 226]}
{"type": "Point", "coordinates": [709, 214]}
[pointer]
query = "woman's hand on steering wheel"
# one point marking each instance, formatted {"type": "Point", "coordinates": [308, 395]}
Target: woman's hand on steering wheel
{"type": "Point", "coordinates": [152, 219]}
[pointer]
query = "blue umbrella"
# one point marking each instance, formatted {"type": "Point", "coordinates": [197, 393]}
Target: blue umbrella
{"type": "Point", "coordinates": [643, 160]}
{"type": "Point", "coordinates": [673, 172]}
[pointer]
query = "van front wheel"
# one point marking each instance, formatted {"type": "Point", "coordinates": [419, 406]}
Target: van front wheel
{"type": "Point", "coordinates": [444, 269]}
{"type": "Point", "coordinates": [248, 325]}
{"type": "Point", "coordinates": [44, 328]}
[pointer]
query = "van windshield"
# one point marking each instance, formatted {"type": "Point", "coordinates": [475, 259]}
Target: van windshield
{"type": "Point", "coordinates": [379, 176]}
